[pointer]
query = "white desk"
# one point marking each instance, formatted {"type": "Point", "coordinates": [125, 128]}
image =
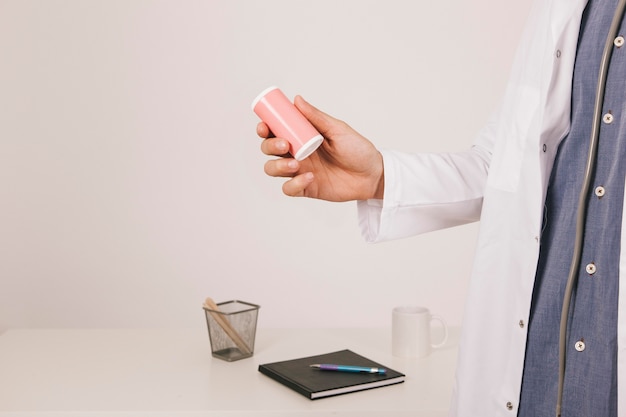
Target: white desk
{"type": "Point", "coordinates": [164, 372]}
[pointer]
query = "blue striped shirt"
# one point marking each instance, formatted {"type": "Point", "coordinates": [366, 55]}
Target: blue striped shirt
{"type": "Point", "coordinates": [591, 370]}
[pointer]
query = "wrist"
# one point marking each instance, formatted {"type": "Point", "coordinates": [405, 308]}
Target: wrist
{"type": "Point", "coordinates": [379, 193]}
{"type": "Point", "coordinates": [379, 188]}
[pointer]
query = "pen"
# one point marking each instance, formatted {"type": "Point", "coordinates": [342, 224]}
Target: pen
{"type": "Point", "coordinates": [348, 368]}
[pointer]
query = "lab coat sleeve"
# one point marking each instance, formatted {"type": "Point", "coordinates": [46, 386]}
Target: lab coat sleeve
{"type": "Point", "coordinates": [427, 191]}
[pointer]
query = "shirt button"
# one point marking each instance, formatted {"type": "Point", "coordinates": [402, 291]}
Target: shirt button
{"type": "Point", "coordinates": [557, 53]}
{"type": "Point", "coordinates": [521, 324]}
{"type": "Point", "coordinates": [591, 268]}
{"type": "Point", "coordinates": [619, 41]}
{"type": "Point", "coordinates": [580, 345]}
{"type": "Point", "coordinates": [544, 147]}
{"type": "Point", "coordinates": [600, 191]}
{"type": "Point", "coordinates": [607, 118]}
{"type": "Point", "coordinates": [509, 406]}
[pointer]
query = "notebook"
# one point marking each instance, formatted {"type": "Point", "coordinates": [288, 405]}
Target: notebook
{"type": "Point", "coordinates": [314, 383]}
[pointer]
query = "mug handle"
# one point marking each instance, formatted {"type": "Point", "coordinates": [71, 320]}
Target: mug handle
{"type": "Point", "coordinates": [445, 331]}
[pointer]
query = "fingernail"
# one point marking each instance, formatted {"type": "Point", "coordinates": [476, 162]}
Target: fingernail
{"type": "Point", "coordinates": [293, 164]}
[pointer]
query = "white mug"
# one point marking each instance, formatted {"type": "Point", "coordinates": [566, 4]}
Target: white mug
{"type": "Point", "coordinates": [411, 332]}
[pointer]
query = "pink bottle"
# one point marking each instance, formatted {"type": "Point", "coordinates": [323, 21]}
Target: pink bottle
{"type": "Point", "coordinates": [285, 121]}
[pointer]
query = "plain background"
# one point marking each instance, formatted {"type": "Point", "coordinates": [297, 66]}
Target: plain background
{"type": "Point", "coordinates": [131, 180]}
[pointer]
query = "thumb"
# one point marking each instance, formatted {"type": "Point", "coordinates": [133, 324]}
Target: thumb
{"type": "Point", "coordinates": [320, 120]}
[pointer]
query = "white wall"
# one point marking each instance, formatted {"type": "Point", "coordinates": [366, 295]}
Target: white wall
{"type": "Point", "coordinates": [131, 181]}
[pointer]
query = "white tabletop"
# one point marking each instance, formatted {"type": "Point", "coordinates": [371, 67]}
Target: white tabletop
{"type": "Point", "coordinates": [170, 372]}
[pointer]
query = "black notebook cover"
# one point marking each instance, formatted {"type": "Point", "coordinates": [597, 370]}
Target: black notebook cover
{"type": "Point", "coordinates": [314, 383]}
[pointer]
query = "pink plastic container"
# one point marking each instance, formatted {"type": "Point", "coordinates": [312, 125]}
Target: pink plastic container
{"type": "Point", "coordinates": [285, 121]}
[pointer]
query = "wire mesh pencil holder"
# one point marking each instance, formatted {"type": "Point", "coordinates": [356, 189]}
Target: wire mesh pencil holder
{"type": "Point", "coordinates": [232, 329]}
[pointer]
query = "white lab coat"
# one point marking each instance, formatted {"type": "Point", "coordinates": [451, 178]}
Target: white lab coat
{"type": "Point", "coordinates": [502, 181]}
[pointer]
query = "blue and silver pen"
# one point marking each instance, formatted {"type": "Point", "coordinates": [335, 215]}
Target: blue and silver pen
{"type": "Point", "coordinates": [348, 368]}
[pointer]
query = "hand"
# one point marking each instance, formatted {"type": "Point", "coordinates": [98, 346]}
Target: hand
{"type": "Point", "coordinates": [345, 167]}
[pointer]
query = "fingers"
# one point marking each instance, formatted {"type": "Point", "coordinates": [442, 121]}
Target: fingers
{"type": "Point", "coordinates": [285, 167]}
{"type": "Point", "coordinates": [263, 130]}
{"type": "Point", "coordinates": [296, 187]}
{"type": "Point", "coordinates": [275, 146]}
{"type": "Point", "coordinates": [320, 120]}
